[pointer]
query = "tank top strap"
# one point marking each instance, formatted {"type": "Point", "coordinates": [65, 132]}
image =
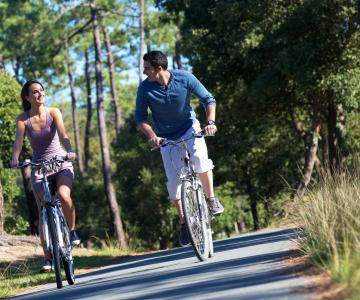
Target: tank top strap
{"type": "Point", "coordinates": [49, 119]}
{"type": "Point", "coordinates": [28, 122]}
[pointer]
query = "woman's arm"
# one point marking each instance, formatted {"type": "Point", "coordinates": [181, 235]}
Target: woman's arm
{"type": "Point", "coordinates": [19, 139]}
{"type": "Point", "coordinates": [64, 139]}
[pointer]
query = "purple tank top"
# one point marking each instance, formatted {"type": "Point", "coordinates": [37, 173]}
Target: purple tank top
{"type": "Point", "coordinates": [45, 143]}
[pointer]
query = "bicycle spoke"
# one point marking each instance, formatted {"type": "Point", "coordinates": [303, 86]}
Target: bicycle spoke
{"type": "Point", "coordinates": [195, 223]}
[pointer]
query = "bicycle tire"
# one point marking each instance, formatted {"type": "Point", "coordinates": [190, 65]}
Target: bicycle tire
{"type": "Point", "coordinates": [207, 216]}
{"type": "Point", "coordinates": [55, 245]}
{"type": "Point", "coordinates": [67, 258]}
{"type": "Point", "coordinates": [194, 220]}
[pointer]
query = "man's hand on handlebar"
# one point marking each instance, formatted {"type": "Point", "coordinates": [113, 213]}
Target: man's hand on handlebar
{"type": "Point", "coordinates": [210, 129]}
{"type": "Point", "coordinates": [155, 141]}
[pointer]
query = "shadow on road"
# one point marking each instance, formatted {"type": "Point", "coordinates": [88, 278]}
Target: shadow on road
{"type": "Point", "coordinates": [182, 253]}
{"type": "Point", "coordinates": [154, 274]}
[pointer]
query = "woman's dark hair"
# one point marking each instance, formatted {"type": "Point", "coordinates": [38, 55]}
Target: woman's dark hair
{"type": "Point", "coordinates": [25, 92]}
{"type": "Point", "coordinates": [156, 59]}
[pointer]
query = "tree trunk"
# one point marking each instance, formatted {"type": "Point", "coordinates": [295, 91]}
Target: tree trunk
{"type": "Point", "coordinates": [334, 158]}
{"type": "Point", "coordinates": [33, 217]}
{"type": "Point", "coordinates": [253, 198]}
{"type": "Point", "coordinates": [88, 111]}
{"type": "Point", "coordinates": [325, 146]}
{"type": "Point", "coordinates": [115, 98]}
{"type": "Point", "coordinates": [298, 126]}
{"type": "Point", "coordinates": [105, 153]}
{"type": "Point", "coordinates": [2, 63]}
{"type": "Point", "coordinates": [312, 146]}
{"type": "Point", "coordinates": [142, 39]}
{"type": "Point", "coordinates": [74, 115]}
{"type": "Point", "coordinates": [177, 57]}
{"type": "Point", "coordinates": [16, 68]}
{"type": "Point", "coordinates": [1, 209]}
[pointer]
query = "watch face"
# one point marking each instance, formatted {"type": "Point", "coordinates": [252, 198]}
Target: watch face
{"type": "Point", "coordinates": [211, 122]}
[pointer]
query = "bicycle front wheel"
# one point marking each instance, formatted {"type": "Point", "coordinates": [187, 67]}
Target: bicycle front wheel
{"type": "Point", "coordinates": [195, 220]}
{"type": "Point", "coordinates": [67, 258]}
{"type": "Point", "coordinates": [55, 245]}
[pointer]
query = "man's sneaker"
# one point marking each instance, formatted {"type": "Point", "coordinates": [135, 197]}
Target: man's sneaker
{"type": "Point", "coordinates": [74, 238]}
{"type": "Point", "coordinates": [215, 206]}
{"type": "Point", "coordinates": [47, 266]}
{"type": "Point", "coordinates": [184, 239]}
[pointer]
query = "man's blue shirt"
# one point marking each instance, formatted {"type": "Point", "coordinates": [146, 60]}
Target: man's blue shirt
{"type": "Point", "coordinates": [170, 106]}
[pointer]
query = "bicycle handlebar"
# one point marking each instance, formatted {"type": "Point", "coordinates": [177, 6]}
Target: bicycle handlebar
{"type": "Point", "coordinates": [166, 142]}
{"type": "Point", "coordinates": [28, 162]}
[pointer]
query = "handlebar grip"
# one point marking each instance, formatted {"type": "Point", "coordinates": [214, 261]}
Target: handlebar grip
{"type": "Point", "coordinates": [61, 157]}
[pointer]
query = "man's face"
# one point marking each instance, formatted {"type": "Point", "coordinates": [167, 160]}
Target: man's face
{"type": "Point", "coordinates": [150, 71]}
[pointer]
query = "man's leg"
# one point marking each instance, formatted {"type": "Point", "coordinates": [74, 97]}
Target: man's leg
{"type": "Point", "coordinates": [179, 210]}
{"type": "Point", "coordinates": [203, 166]}
{"type": "Point", "coordinates": [184, 238]}
{"type": "Point", "coordinates": [172, 165]}
{"type": "Point", "coordinates": [206, 179]}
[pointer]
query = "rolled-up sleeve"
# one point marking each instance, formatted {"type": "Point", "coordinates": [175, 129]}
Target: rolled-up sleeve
{"type": "Point", "coordinates": [200, 91]}
{"type": "Point", "coordinates": [141, 110]}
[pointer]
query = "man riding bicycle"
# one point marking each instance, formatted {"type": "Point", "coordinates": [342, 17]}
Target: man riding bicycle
{"type": "Point", "coordinates": [167, 94]}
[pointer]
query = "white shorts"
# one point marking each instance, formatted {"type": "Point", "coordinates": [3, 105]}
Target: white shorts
{"type": "Point", "coordinates": [173, 160]}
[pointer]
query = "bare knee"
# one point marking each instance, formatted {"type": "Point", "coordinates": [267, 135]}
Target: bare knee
{"type": "Point", "coordinates": [65, 196]}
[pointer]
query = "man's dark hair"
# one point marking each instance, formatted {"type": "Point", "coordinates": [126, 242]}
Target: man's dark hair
{"type": "Point", "coordinates": [156, 59]}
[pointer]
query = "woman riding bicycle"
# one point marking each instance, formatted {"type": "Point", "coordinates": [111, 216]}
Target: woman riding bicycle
{"type": "Point", "coordinates": [45, 130]}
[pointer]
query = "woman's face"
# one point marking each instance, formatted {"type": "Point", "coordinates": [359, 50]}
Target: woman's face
{"type": "Point", "coordinates": [36, 95]}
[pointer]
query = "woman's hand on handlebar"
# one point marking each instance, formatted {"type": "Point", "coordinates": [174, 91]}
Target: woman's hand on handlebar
{"type": "Point", "coordinates": [71, 155]}
{"type": "Point", "coordinates": [14, 162]}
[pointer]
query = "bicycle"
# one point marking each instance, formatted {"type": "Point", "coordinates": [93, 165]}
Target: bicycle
{"type": "Point", "coordinates": [54, 225]}
{"type": "Point", "coordinates": [196, 212]}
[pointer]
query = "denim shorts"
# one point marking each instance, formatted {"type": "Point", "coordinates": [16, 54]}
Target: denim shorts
{"type": "Point", "coordinates": [64, 169]}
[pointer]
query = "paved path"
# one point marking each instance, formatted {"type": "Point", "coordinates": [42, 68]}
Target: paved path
{"type": "Point", "coordinates": [247, 267]}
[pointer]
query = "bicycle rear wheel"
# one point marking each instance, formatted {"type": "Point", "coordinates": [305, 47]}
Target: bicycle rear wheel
{"type": "Point", "coordinates": [195, 220]}
{"type": "Point", "coordinates": [67, 258]}
{"type": "Point", "coordinates": [55, 245]}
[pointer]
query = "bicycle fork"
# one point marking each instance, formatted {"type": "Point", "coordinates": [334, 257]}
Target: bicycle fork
{"type": "Point", "coordinates": [53, 214]}
{"type": "Point", "coordinates": [45, 229]}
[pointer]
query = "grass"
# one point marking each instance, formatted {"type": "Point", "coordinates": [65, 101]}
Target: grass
{"type": "Point", "coordinates": [16, 277]}
{"type": "Point", "coordinates": [330, 217]}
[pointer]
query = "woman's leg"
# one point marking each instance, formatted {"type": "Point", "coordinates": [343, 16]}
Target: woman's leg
{"type": "Point", "coordinates": [64, 181]}
{"type": "Point", "coordinates": [39, 196]}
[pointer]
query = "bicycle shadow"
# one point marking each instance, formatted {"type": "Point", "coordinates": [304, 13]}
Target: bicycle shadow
{"type": "Point", "coordinates": [151, 271]}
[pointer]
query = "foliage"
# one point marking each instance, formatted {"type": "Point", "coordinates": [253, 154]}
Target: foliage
{"type": "Point", "coordinates": [236, 207]}
{"type": "Point", "coordinates": [10, 107]}
{"type": "Point", "coordinates": [264, 60]}
{"type": "Point", "coordinates": [329, 215]}
{"type": "Point", "coordinates": [18, 275]}
{"type": "Point", "coordinates": [141, 182]}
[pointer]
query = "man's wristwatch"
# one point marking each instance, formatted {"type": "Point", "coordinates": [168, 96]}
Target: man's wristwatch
{"type": "Point", "coordinates": [211, 122]}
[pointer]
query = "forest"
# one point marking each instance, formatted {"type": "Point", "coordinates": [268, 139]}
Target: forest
{"type": "Point", "coordinates": [285, 75]}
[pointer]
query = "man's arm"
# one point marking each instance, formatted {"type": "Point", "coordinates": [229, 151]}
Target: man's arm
{"type": "Point", "coordinates": [154, 140]}
{"type": "Point", "coordinates": [210, 128]}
